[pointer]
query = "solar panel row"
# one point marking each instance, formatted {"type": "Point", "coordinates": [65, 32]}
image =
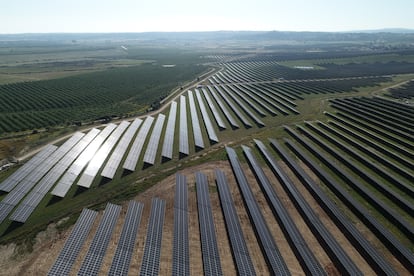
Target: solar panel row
{"type": "Point", "coordinates": [151, 259]}
{"type": "Point", "coordinates": [152, 147]}
{"type": "Point", "coordinates": [235, 109]}
{"type": "Point", "coordinates": [76, 168]}
{"type": "Point", "coordinates": [136, 148]}
{"type": "Point", "coordinates": [379, 264]}
{"type": "Point", "coordinates": [244, 107]}
{"type": "Point", "coordinates": [295, 238]}
{"type": "Point", "coordinates": [14, 179]}
{"type": "Point", "coordinates": [26, 208]}
{"type": "Point", "coordinates": [181, 255]}
{"type": "Point", "coordinates": [275, 96]}
{"type": "Point", "coordinates": [247, 98]}
{"type": "Point", "coordinates": [271, 252]}
{"type": "Point", "coordinates": [167, 148]}
{"type": "Point", "coordinates": [213, 108]}
{"type": "Point", "coordinates": [123, 254]}
{"type": "Point", "coordinates": [241, 254]}
{"type": "Point", "coordinates": [99, 158]}
{"type": "Point", "coordinates": [93, 260]}
{"type": "Point", "coordinates": [198, 136]}
{"type": "Point", "coordinates": [264, 98]}
{"type": "Point", "coordinates": [113, 163]}
{"type": "Point", "coordinates": [206, 118]}
{"type": "Point", "coordinates": [400, 250]}
{"type": "Point", "coordinates": [255, 96]}
{"type": "Point", "coordinates": [183, 146]}
{"type": "Point", "coordinates": [24, 187]}
{"type": "Point", "coordinates": [73, 244]}
{"type": "Point", "coordinates": [223, 108]}
{"type": "Point", "coordinates": [209, 249]}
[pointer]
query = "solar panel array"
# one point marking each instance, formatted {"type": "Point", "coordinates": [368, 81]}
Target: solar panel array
{"type": "Point", "coordinates": [198, 136]}
{"type": "Point", "coordinates": [209, 249]}
{"type": "Point", "coordinates": [14, 179]}
{"type": "Point", "coordinates": [73, 244]}
{"type": "Point", "coordinates": [181, 255]}
{"type": "Point", "coordinates": [97, 250]}
{"type": "Point", "coordinates": [152, 147]}
{"type": "Point", "coordinates": [241, 254]}
{"type": "Point", "coordinates": [247, 92]}
{"type": "Point", "coordinates": [99, 158]}
{"type": "Point", "coordinates": [271, 252]}
{"type": "Point", "coordinates": [235, 109]}
{"type": "Point", "coordinates": [24, 187]}
{"type": "Point", "coordinates": [26, 208]}
{"type": "Point", "coordinates": [399, 250]}
{"type": "Point", "coordinates": [379, 264]}
{"type": "Point", "coordinates": [248, 99]}
{"type": "Point", "coordinates": [214, 110]}
{"type": "Point", "coordinates": [125, 249]}
{"type": "Point", "coordinates": [76, 168]}
{"type": "Point", "coordinates": [298, 244]}
{"type": "Point", "coordinates": [223, 108]}
{"type": "Point", "coordinates": [206, 118]}
{"type": "Point", "coordinates": [151, 259]}
{"type": "Point", "coordinates": [167, 148]}
{"type": "Point", "coordinates": [113, 163]}
{"type": "Point", "coordinates": [244, 107]}
{"type": "Point", "coordinates": [136, 148]}
{"type": "Point", "coordinates": [183, 146]}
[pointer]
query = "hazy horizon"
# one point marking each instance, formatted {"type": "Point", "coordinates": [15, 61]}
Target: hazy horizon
{"type": "Point", "coordinates": [129, 16]}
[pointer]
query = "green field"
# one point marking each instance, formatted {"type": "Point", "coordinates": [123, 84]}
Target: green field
{"type": "Point", "coordinates": [80, 85]}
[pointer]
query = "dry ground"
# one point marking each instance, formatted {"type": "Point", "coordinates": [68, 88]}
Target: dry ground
{"type": "Point", "coordinates": [50, 242]}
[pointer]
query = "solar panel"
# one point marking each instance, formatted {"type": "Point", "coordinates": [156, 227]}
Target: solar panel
{"type": "Point", "coordinates": [209, 249]}
{"type": "Point", "coordinates": [136, 148]}
{"type": "Point", "coordinates": [378, 263]}
{"type": "Point", "coordinates": [125, 249]}
{"type": "Point", "coordinates": [101, 155]}
{"type": "Point", "coordinates": [25, 209]}
{"type": "Point", "coordinates": [270, 251]}
{"type": "Point", "coordinates": [223, 108]}
{"type": "Point", "coordinates": [167, 148]}
{"type": "Point", "coordinates": [214, 110]}
{"type": "Point", "coordinates": [244, 107]}
{"type": "Point", "coordinates": [183, 146]}
{"type": "Point", "coordinates": [235, 109]}
{"type": "Point", "coordinates": [76, 168]}
{"type": "Point", "coordinates": [277, 100]}
{"type": "Point", "coordinates": [198, 136]}
{"type": "Point", "coordinates": [298, 244]}
{"type": "Point", "coordinates": [14, 179]}
{"type": "Point", "coordinates": [247, 98]}
{"type": "Point", "coordinates": [151, 259]}
{"type": "Point", "coordinates": [181, 255]}
{"type": "Point", "coordinates": [152, 147]}
{"type": "Point", "coordinates": [73, 244]}
{"type": "Point", "coordinates": [23, 188]}
{"type": "Point", "coordinates": [401, 251]}
{"type": "Point", "coordinates": [113, 163]}
{"type": "Point", "coordinates": [206, 118]}
{"type": "Point", "coordinates": [96, 253]}
{"type": "Point", "coordinates": [237, 241]}
{"type": "Point", "coordinates": [257, 97]}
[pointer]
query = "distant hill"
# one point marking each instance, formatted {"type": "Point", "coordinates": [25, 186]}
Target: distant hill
{"type": "Point", "coordinates": [385, 35]}
{"type": "Point", "coordinates": [388, 30]}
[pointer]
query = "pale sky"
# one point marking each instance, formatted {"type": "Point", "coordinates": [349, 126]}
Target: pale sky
{"type": "Point", "coordinates": [45, 16]}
